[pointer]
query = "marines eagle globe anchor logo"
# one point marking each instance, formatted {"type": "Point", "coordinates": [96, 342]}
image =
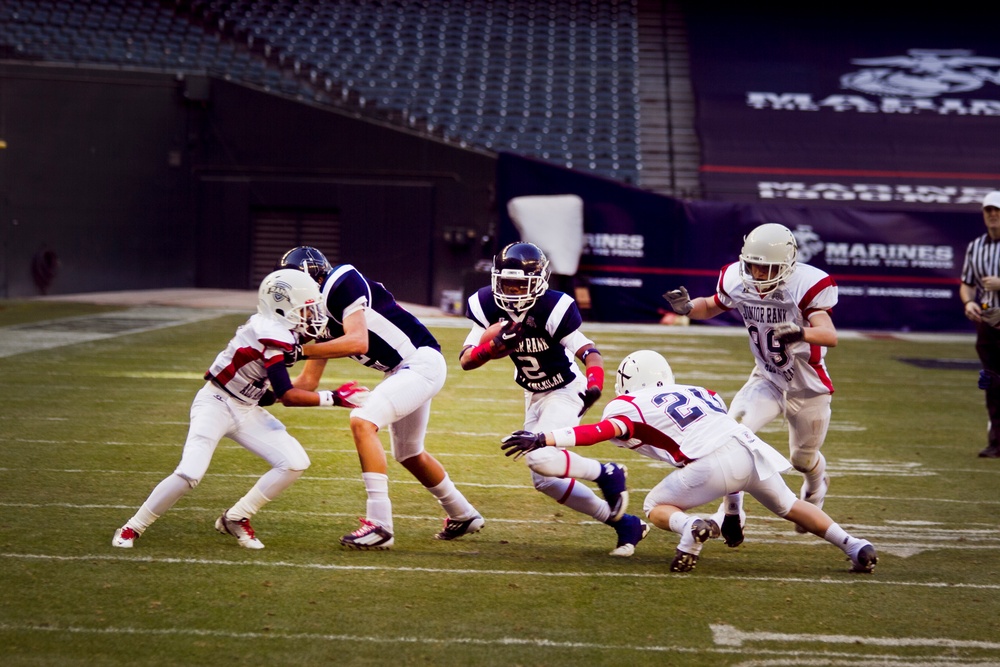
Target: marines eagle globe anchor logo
{"type": "Point", "coordinates": [923, 73]}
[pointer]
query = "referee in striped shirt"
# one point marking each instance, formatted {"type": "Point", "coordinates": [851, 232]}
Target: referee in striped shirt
{"type": "Point", "coordinates": [980, 295]}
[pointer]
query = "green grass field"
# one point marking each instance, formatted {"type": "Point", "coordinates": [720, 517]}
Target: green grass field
{"type": "Point", "coordinates": [89, 428]}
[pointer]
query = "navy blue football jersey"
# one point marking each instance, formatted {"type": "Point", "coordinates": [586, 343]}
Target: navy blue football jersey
{"type": "Point", "coordinates": [541, 361]}
{"type": "Point", "coordinates": [393, 332]}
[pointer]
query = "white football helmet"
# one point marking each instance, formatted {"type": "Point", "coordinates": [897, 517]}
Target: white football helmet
{"type": "Point", "coordinates": [771, 249]}
{"type": "Point", "coordinates": [642, 369]}
{"type": "Point", "coordinates": [293, 298]}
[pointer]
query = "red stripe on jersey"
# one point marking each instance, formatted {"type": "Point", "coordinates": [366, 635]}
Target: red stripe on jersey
{"type": "Point", "coordinates": [814, 290]}
{"type": "Point", "coordinates": [816, 363]}
{"type": "Point", "coordinates": [657, 438]}
{"type": "Point", "coordinates": [719, 289]}
{"type": "Point", "coordinates": [243, 356]}
{"type": "Point", "coordinates": [650, 435]}
{"type": "Point", "coordinates": [280, 344]}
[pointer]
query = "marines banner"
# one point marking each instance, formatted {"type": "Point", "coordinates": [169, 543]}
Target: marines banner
{"type": "Point", "coordinates": [896, 270]}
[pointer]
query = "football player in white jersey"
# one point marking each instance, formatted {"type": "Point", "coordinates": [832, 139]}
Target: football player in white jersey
{"type": "Point", "coordinates": [248, 374]}
{"type": "Point", "coordinates": [786, 308]}
{"type": "Point", "coordinates": [541, 335]}
{"type": "Point", "coordinates": [688, 427]}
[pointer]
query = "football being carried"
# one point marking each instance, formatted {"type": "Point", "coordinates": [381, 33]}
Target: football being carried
{"type": "Point", "coordinates": [502, 337]}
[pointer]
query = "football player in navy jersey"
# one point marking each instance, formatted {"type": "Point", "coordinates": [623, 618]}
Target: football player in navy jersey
{"type": "Point", "coordinates": [541, 334]}
{"type": "Point", "coordinates": [366, 324]}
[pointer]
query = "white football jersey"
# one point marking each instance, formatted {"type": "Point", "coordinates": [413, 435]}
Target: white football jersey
{"type": "Point", "coordinates": [798, 367]}
{"type": "Point", "coordinates": [241, 368]}
{"type": "Point", "coordinates": [681, 423]}
{"type": "Point", "coordinates": [675, 423]}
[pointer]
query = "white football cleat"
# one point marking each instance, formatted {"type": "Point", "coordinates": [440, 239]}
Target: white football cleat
{"type": "Point", "coordinates": [124, 538]}
{"type": "Point", "coordinates": [241, 530]}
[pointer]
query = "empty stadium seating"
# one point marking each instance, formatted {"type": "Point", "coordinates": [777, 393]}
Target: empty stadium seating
{"type": "Point", "coordinates": [553, 79]}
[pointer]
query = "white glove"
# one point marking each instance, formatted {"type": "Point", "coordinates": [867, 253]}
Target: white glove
{"type": "Point", "coordinates": [679, 300]}
{"type": "Point", "coordinates": [788, 332]}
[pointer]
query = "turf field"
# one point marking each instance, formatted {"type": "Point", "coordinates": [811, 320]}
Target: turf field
{"type": "Point", "coordinates": [89, 428]}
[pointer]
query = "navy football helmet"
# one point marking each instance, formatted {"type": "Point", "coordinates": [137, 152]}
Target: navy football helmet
{"type": "Point", "coordinates": [308, 259]}
{"type": "Point", "coordinates": [520, 275]}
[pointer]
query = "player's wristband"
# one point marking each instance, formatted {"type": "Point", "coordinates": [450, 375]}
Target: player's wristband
{"type": "Point", "coordinates": [564, 437]}
{"type": "Point", "coordinates": [481, 352]}
{"type": "Point", "coordinates": [326, 399]}
{"type": "Point", "coordinates": [595, 377]}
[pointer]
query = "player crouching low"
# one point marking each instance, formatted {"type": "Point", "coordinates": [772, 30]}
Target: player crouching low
{"type": "Point", "coordinates": [248, 374]}
{"type": "Point", "coordinates": [687, 427]}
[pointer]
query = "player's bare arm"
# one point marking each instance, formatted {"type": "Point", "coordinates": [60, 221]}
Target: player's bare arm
{"type": "Point", "coordinates": [700, 308]}
{"type": "Point", "coordinates": [705, 308]}
{"type": "Point", "coordinates": [312, 373]}
{"type": "Point", "coordinates": [353, 342]}
{"type": "Point", "coordinates": [820, 330]}
{"type": "Point", "coordinates": [349, 395]}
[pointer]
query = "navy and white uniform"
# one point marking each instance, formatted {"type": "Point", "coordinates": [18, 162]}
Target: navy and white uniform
{"type": "Point", "coordinates": [400, 346]}
{"type": "Point", "coordinates": [545, 359]}
{"type": "Point", "coordinates": [545, 367]}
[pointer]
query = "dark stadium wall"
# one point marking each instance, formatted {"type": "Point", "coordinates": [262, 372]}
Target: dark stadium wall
{"type": "Point", "coordinates": [117, 180]}
{"type": "Point", "coordinates": [93, 189]}
{"type": "Point", "coordinates": [408, 211]}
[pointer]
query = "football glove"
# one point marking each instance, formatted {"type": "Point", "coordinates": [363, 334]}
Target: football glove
{"type": "Point", "coordinates": [991, 316]}
{"type": "Point", "coordinates": [519, 443]}
{"type": "Point", "coordinates": [788, 332]}
{"type": "Point", "coordinates": [679, 300]}
{"type": "Point", "coordinates": [589, 398]}
{"type": "Point", "coordinates": [506, 341]}
{"type": "Point", "coordinates": [350, 395]}
{"type": "Point", "coordinates": [267, 399]}
{"type": "Point", "coordinates": [294, 355]}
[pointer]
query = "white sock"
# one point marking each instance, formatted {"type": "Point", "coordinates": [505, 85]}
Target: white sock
{"type": "Point", "coordinates": [378, 508]}
{"type": "Point", "coordinates": [247, 506]}
{"type": "Point", "coordinates": [680, 523]}
{"type": "Point", "coordinates": [454, 503]}
{"type": "Point", "coordinates": [581, 467]}
{"type": "Point", "coordinates": [839, 538]}
{"type": "Point", "coordinates": [733, 503]}
{"type": "Point", "coordinates": [814, 478]}
{"type": "Point", "coordinates": [142, 520]}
